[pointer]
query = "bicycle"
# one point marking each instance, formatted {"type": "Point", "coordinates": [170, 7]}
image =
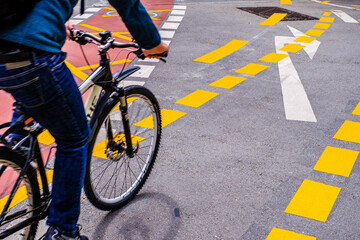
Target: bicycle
{"type": "Point", "coordinates": [124, 141]}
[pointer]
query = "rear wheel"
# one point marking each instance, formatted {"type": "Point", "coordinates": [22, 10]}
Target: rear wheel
{"type": "Point", "coordinates": [26, 198]}
{"type": "Point", "coordinates": [113, 178]}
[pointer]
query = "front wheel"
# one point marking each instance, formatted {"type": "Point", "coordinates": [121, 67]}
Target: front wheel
{"type": "Point", "coordinates": [112, 177]}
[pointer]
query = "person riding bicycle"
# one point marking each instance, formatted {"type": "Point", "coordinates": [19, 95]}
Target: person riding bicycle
{"type": "Point", "coordinates": [32, 70]}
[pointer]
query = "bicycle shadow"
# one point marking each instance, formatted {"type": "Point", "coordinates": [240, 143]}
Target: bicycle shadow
{"type": "Point", "coordinates": [137, 226]}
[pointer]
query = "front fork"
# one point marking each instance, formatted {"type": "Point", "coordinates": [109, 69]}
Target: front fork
{"type": "Point", "coordinates": [125, 120]}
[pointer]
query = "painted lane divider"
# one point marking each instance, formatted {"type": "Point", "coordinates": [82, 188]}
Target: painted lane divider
{"type": "Point", "coordinates": [344, 16]}
{"type": "Point", "coordinates": [286, 2]}
{"type": "Point", "coordinates": [281, 234]}
{"type": "Point", "coordinates": [273, 19]}
{"type": "Point", "coordinates": [197, 98]}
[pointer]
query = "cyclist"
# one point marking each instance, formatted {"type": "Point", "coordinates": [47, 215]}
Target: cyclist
{"type": "Point", "coordinates": [32, 69]}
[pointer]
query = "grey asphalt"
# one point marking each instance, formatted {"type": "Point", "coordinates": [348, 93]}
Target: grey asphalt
{"type": "Point", "coordinates": [228, 169]}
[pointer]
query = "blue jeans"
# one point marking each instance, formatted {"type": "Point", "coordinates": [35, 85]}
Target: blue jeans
{"type": "Point", "coordinates": [48, 92]}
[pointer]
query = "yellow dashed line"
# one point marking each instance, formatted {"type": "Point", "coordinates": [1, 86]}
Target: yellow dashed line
{"type": "Point", "coordinates": [197, 98]}
{"type": "Point", "coordinates": [338, 161]}
{"type": "Point", "coordinates": [227, 82]}
{"type": "Point", "coordinates": [325, 1]}
{"type": "Point", "coordinates": [327, 14]}
{"type": "Point", "coordinates": [355, 5]}
{"type": "Point", "coordinates": [46, 138]}
{"type": "Point", "coordinates": [313, 200]}
{"type": "Point", "coordinates": [74, 70]}
{"type": "Point", "coordinates": [167, 117]}
{"type": "Point", "coordinates": [313, 32]}
{"type": "Point", "coordinates": [280, 234]}
{"type": "Point", "coordinates": [349, 131]}
{"type": "Point", "coordinates": [286, 2]}
{"type": "Point", "coordinates": [273, 19]}
{"type": "Point", "coordinates": [293, 48]}
{"type": "Point", "coordinates": [304, 39]}
{"type": "Point", "coordinates": [273, 57]}
{"type": "Point", "coordinates": [222, 52]}
{"type": "Point", "coordinates": [322, 25]}
{"type": "Point", "coordinates": [357, 110]}
{"type": "Point", "coordinates": [252, 69]}
{"type": "Point", "coordinates": [327, 19]}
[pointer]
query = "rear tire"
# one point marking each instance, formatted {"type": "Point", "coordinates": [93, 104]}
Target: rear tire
{"type": "Point", "coordinates": [112, 178]}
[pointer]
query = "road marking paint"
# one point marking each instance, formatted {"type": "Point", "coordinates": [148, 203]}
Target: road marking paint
{"type": "Point", "coordinates": [168, 25]}
{"type": "Point", "coordinates": [84, 16]}
{"type": "Point", "coordinates": [313, 200]}
{"type": "Point", "coordinates": [322, 25]}
{"type": "Point", "coordinates": [177, 12]}
{"type": "Point", "coordinates": [155, 11]}
{"type": "Point", "coordinates": [274, 57]}
{"type": "Point", "coordinates": [197, 98]}
{"type": "Point", "coordinates": [222, 52]}
{"type": "Point", "coordinates": [327, 14]}
{"type": "Point", "coordinates": [92, 9]}
{"type": "Point", "coordinates": [344, 16]}
{"type": "Point", "coordinates": [349, 131]}
{"type": "Point", "coordinates": [252, 69]}
{"type": "Point", "coordinates": [335, 5]}
{"type": "Point", "coordinates": [286, 2]}
{"type": "Point", "coordinates": [281, 234]}
{"type": "Point", "coordinates": [76, 22]}
{"type": "Point", "coordinates": [76, 72]}
{"type": "Point", "coordinates": [144, 72]}
{"type": "Point", "coordinates": [357, 110]}
{"type": "Point", "coordinates": [115, 34]}
{"type": "Point", "coordinates": [326, 19]}
{"type": "Point", "coordinates": [227, 82]}
{"type": "Point", "coordinates": [310, 48]}
{"type": "Point", "coordinates": [316, 33]}
{"type": "Point", "coordinates": [180, 7]}
{"type": "Point", "coordinates": [293, 48]}
{"type": "Point", "coordinates": [130, 83]}
{"type": "Point", "coordinates": [273, 19]}
{"type": "Point", "coordinates": [305, 39]}
{"type": "Point", "coordinates": [355, 5]}
{"type": "Point", "coordinates": [96, 65]}
{"type": "Point", "coordinates": [325, 1]}
{"type": "Point", "coordinates": [46, 138]}
{"type": "Point", "coordinates": [167, 117]}
{"type": "Point", "coordinates": [175, 18]}
{"type": "Point", "coordinates": [167, 34]}
{"type": "Point", "coordinates": [338, 161]}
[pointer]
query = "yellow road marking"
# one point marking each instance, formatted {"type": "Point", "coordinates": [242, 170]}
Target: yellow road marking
{"type": "Point", "coordinates": [165, 10]}
{"type": "Point", "coordinates": [273, 57]}
{"type": "Point", "coordinates": [46, 138]}
{"type": "Point", "coordinates": [337, 161]}
{"type": "Point", "coordinates": [357, 110]}
{"type": "Point", "coordinates": [327, 14]}
{"type": "Point", "coordinates": [252, 69]}
{"type": "Point", "coordinates": [305, 39]}
{"type": "Point", "coordinates": [197, 98]}
{"type": "Point", "coordinates": [313, 200]}
{"type": "Point", "coordinates": [222, 52]}
{"type": "Point", "coordinates": [349, 131]}
{"type": "Point", "coordinates": [74, 70]}
{"type": "Point", "coordinates": [273, 19]}
{"type": "Point", "coordinates": [327, 19]}
{"type": "Point", "coordinates": [281, 234]}
{"type": "Point", "coordinates": [313, 32]}
{"type": "Point", "coordinates": [293, 48]}
{"type": "Point", "coordinates": [167, 117]}
{"type": "Point", "coordinates": [227, 82]}
{"type": "Point", "coordinates": [287, 2]}
{"type": "Point", "coordinates": [355, 5]}
{"type": "Point", "coordinates": [325, 1]}
{"type": "Point", "coordinates": [322, 25]}
{"type": "Point", "coordinates": [115, 34]}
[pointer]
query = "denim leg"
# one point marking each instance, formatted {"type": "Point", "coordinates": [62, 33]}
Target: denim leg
{"type": "Point", "coordinates": [50, 95]}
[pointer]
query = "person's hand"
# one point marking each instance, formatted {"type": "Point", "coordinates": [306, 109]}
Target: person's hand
{"type": "Point", "coordinates": [68, 26]}
{"type": "Point", "coordinates": [161, 48]}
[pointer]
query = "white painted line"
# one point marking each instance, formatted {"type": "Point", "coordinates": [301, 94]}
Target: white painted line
{"type": "Point", "coordinates": [84, 16]}
{"type": "Point", "coordinates": [166, 34]}
{"type": "Point", "coordinates": [93, 9]}
{"type": "Point", "coordinates": [179, 7]}
{"type": "Point", "coordinates": [344, 16]}
{"type": "Point", "coordinates": [144, 72]}
{"type": "Point", "coordinates": [149, 60]}
{"type": "Point", "coordinates": [75, 21]}
{"type": "Point", "coordinates": [296, 103]}
{"type": "Point", "coordinates": [331, 4]}
{"type": "Point", "coordinates": [177, 12]}
{"type": "Point", "coordinates": [129, 83]}
{"type": "Point", "coordinates": [169, 25]}
{"type": "Point", "coordinates": [310, 48]}
{"type": "Point", "coordinates": [167, 41]}
{"type": "Point", "coordinates": [175, 18]}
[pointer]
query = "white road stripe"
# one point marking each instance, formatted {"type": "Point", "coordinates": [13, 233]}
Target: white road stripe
{"type": "Point", "coordinates": [170, 25]}
{"type": "Point", "coordinates": [130, 83]}
{"type": "Point", "coordinates": [177, 12]}
{"type": "Point", "coordinates": [175, 18]}
{"type": "Point", "coordinates": [182, 7]}
{"type": "Point", "coordinates": [93, 9]}
{"type": "Point", "coordinates": [167, 34]}
{"type": "Point", "coordinates": [331, 4]}
{"type": "Point", "coordinates": [75, 22]}
{"type": "Point", "coordinates": [344, 16]}
{"type": "Point", "coordinates": [144, 72]}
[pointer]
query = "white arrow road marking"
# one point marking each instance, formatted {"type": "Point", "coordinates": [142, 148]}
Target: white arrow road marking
{"type": "Point", "coordinates": [296, 103]}
{"type": "Point", "coordinates": [344, 16]}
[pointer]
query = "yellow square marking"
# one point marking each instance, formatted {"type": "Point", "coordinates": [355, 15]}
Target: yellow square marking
{"type": "Point", "coordinates": [227, 82]}
{"type": "Point", "coordinates": [349, 131]}
{"type": "Point", "coordinates": [355, 5]}
{"type": "Point", "coordinates": [167, 117]}
{"type": "Point", "coordinates": [325, 1]}
{"type": "Point", "coordinates": [273, 19]}
{"type": "Point", "coordinates": [337, 161]}
{"type": "Point", "coordinates": [273, 57]}
{"type": "Point", "coordinates": [327, 19]}
{"type": "Point", "coordinates": [327, 14]}
{"type": "Point", "coordinates": [313, 200]}
{"type": "Point", "coordinates": [222, 52]}
{"type": "Point", "coordinates": [252, 69]}
{"type": "Point", "coordinates": [313, 32]}
{"type": "Point", "coordinates": [357, 110]}
{"type": "Point", "coordinates": [293, 48]}
{"type": "Point", "coordinates": [305, 39]}
{"type": "Point", "coordinates": [281, 234]}
{"type": "Point", "coordinates": [287, 2]}
{"type": "Point", "coordinates": [197, 98]}
{"type": "Point", "coordinates": [322, 25]}
{"type": "Point", "coordinates": [46, 138]}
